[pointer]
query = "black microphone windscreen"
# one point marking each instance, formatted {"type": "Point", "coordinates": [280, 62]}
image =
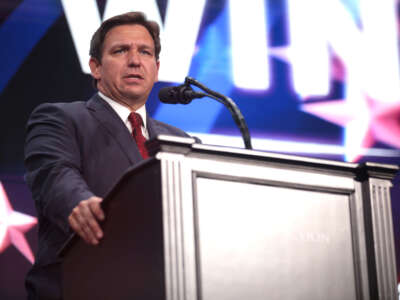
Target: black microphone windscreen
{"type": "Point", "coordinates": [168, 95]}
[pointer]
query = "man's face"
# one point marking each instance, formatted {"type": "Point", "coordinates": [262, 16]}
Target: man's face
{"type": "Point", "coordinates": [128, 68]}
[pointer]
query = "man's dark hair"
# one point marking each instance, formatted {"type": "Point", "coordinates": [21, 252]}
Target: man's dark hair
{"type": "Point", "coordinates": [130, 18]}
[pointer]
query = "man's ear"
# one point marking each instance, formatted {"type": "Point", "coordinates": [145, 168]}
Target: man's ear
{"type": "Point", "coordinates": [95, 65]}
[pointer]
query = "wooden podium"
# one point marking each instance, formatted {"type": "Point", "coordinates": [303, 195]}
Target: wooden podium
{"type": "Point", "coordinates": [200, 222]}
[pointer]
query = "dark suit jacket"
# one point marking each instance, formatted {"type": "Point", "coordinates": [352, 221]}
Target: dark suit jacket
{"type": "Point", "coordinates": [73, 151]}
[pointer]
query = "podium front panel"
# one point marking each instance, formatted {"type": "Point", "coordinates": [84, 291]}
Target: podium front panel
{"type": "Point", "coordinates": [243, 229]}
{"type": "Point", "coordinates": [259, 240]}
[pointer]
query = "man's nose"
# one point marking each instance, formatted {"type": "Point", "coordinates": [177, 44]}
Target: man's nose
{"type": "Point", "coordinates": [133, 58]}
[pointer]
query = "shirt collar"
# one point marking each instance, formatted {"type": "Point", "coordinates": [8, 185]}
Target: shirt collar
{"type": "Point", "coordinates": [123, 112]}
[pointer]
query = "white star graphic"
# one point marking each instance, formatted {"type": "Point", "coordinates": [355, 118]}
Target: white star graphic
{"type": "Point", "coordinates": [13, 225]}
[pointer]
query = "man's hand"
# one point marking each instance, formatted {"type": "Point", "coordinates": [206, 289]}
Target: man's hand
{"type": "Point", "coordinates": [84, 220]}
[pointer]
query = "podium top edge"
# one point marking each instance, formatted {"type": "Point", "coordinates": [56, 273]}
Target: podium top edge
{"type": "Point", "coordinates": [165, 143]}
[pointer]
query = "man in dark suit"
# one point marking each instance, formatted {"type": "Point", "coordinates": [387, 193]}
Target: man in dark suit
{"type": "Point", "coordinates": [75, 152]}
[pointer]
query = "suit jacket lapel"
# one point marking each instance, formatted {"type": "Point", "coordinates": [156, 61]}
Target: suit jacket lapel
{"type": "Point", "coordinates": [154, 128]}
{"type": "Point", "coordinates": [151, 128]}
{"type": "Point", "coordinates": [114, 126]}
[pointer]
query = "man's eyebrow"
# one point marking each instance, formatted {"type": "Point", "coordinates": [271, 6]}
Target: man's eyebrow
{"type": "Point", "coordinates": [120, 45]}
{"type": "Point", "coordinates": [128, 45]}
{"type": "Point", "coordinates": [146, 46]}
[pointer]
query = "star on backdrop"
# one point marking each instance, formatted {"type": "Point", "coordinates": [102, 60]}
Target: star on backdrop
{"type": "Point", "coordinates": [13, 225]}
{"type": "Point", "coordinates": [366, 120]}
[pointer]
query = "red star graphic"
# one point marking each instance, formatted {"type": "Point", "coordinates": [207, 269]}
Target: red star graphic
{"type": "Point", "coordinates": [366, 120]}
{"type": "Point", "coordinates": [13, 225]}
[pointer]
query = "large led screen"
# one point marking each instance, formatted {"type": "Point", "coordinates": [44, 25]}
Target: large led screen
{"type": "Point", "coordinates": [318, 78]}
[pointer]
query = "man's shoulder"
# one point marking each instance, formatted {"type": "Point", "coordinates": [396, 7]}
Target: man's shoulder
{"type": "Point", "coordinates": [60, 106]}
{"type": "Point", "coordinates": [59, 114]}
{"type": "Point", "coordinates": [73, 108]}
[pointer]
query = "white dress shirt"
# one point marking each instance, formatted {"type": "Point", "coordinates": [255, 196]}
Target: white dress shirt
{"type": "Point", "coordinates": [123, 112]}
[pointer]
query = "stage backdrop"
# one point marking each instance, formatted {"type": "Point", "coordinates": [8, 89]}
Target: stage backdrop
{"type": "Point", "coordinates": [312, 77]}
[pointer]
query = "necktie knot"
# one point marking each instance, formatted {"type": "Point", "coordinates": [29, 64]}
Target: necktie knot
{"type": "Point", "coordinates": [136, 121]}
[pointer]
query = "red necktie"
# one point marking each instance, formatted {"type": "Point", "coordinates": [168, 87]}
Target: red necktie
{"type": "Point", "coordinates": [137, 122]}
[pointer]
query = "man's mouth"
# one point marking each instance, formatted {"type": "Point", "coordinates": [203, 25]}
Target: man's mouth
{"type": "Point", "coordinates": [135, 76]}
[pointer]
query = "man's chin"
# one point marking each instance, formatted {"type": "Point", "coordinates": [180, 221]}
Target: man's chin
{"type": "Point", "coordinates": [135, 96]}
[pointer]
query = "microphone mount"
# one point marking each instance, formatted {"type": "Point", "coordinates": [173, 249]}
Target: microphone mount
{"type": "Point", "coordinates": [185, 94]}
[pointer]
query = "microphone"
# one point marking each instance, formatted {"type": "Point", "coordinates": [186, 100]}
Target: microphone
{"type": "Point", "coordinates": [182, 94]}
